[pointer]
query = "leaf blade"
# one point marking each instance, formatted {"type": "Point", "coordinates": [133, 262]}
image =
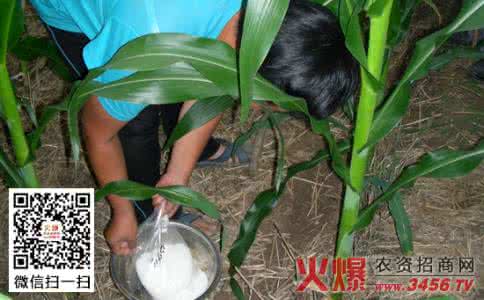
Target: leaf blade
{"type": "Point", "coordinates": [262, 21]}
{"type": "Point", "coordinates": [177, 194]}
{"type": "Point", "coordinates": [438, 164]}
{"type": "Point", "coordinates": [396, 105]}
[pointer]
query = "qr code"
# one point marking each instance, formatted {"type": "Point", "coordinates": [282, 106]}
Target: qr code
{"type": "Point", "coordinates": [51, 240]}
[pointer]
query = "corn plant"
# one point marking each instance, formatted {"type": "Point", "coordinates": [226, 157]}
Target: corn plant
{"type": "Point", "coordinates": [169, 68]}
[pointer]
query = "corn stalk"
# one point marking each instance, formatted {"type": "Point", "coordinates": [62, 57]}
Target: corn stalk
{"type": "Point", "coordinates": [366, 109]}
{"type": "Point", "coordinates": [11, 29]}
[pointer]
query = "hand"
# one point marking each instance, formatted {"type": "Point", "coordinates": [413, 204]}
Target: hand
{"type": "Point", "coordinates": [165, 205]}
{"type": "Point", "coordinates": [121, 232]}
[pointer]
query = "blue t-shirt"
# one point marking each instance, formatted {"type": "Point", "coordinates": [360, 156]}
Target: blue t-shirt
{"type": "Point", "coordinates": [110, 24]}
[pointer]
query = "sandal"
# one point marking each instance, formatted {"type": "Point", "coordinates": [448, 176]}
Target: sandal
{"type": "Point", "coordinates": [188, 218]}
{"type": "Point", "coordinates": [240, 157]}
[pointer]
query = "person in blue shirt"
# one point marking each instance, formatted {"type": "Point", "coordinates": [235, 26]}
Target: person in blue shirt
{"type": "Point", "coordinates": [308, 59]}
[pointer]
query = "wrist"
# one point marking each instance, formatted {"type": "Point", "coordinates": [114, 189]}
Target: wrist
{"type": "Point", "coordinates": [171, 178]}
{"type": "Point", "coordinates": [120, 206]}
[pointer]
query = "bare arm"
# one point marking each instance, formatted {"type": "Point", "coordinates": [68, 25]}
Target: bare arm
{"type": "Point", "coordinates": [104, 148]}
{"type": "Point", "coordinates": [187, 149]}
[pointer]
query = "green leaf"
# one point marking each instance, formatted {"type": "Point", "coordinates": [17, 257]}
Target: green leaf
{"type": "Point", "coordinates": [402, 223]}
{"type": "Point", "coordinates": [277, 118]}
{"type": "Point", "coordinates": [258, 211]}
{"type": "Point", "coordinates": [177, 194]}
{"type": "Point", "coordinates": [337, 161]}
{"type": "Point", "coordinates": [48, 114]}
{"type": "Point", "coordinates": [236, 289]}
{"type": "Point", "coordinates": [396, 105]}
{"type": "Point", "coordinates": [214, 59]}
{"type": "Point", "coordinates": [476, 20]}
{"type": "Point", "coordinates": [399, 215]}
{"type": "Point", "coordinates": [348, 13]}
{"type": "Point", "coordinates": [200, 113]}
{"type": "Point", "coordinates": [279, 175]}
{"type": "Point", "coordinates": [442, 60]}
{"type": "Point", "coordinates": [402, 13]}
{"type": "Point", "coordinates": [265, 202]}
{"type": "Point", "coordinates": [30, 48]}
{"type": "Point", "coordinates": [262, 21]}
{"type": "Point", "coordinates": [29, 109]}
{"type": "Point", "coordinates": [323, 155]}
{"type": "Point", "coordinates": [12, 174]}
{"type": "Point", "coordinates": [74, 105]}
{"type": "Point", "coordinates": [17, 26]}
{"type": "Point", "coordinates": [374, 7]}
{"type": "Point", "coordinates": [175, 83]}
{"type": "Point", "coordinates": [438, 164]}
{"type": "Point", "coordinates": [154, 51]}
{"type": "Point", "coordinates": [11, 26]}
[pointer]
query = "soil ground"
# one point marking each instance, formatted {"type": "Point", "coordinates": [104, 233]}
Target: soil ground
{"type": "Point", "coordinates": [447, 215]}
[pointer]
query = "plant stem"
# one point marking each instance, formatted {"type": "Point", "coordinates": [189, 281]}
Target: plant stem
{"type": "Point", "coordinates": [364, 118]}
{"type": "Point", "coordinates": [14, 123]}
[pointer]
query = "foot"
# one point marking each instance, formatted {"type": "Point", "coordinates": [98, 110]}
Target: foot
{"type": "Point", "coordinates": [225, 155]}
{"type": "Point", "coordinates": [208, 226]}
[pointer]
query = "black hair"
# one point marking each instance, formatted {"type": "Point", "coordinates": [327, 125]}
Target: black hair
{"type": "Point", "coordinates": [309, 59]}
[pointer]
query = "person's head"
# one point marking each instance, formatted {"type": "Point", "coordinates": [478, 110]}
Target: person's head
{"type": "Point", "coordinates": [309, 59]}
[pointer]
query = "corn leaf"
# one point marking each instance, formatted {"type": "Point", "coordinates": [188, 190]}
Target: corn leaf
{"type": "Point", "coordinates": [452, 54]}
{"type": "Point", "coordinates": [200, 113]}
{"type": "Point", "coordinates": [262, 21]}
{"type": "Point", "coordinates": [438, 164]}
{"type": "Point", "coordinates": [337, 160]}
{"type": "Point", "coordinates": [74, 105]}
{"type": "Point", "coordinates": [30, 48]}
{"type": "Point", "coordinates": [9, 26]}
{"type": "Point", "coordinates": [396, 105]}
{"type": "Point", "coordinates": [277, 118]}
{"type": "Point", "coordinates": [402, 223]}
{"type": "Point", "coordinates": [374, 8]}
{"type": "Point", "coordinates": [29, 109]}
{"type": "Point", "coordinates": [280, 162]}
{"type": "Point", "coordinates": [348, 12]}
{"type": "Point", "coordinates": [265, 202]}
{"type": "Point", "coordinates": [236, 289]}
{"type": "Point", "coordinates": [475, 20]}
{"type": "Point", "coordinates": [322, 155]}
{"type": "Point", "coordinates": [12, 174]}
{"type": "Point", "coordinates": [399, 215]}
{"type": "Point", "coordinates": [177, 194]}
{"type": "Point", "coordinates": [159, 50]}
{"type": "Point", "coordinates": [48, 114]}
{"type": "Point", "coordinates": [175, 83]}
{"type": "Point", "coordinates": [17, 26]}
{"type": "Point", "coordinates": [402, 12]}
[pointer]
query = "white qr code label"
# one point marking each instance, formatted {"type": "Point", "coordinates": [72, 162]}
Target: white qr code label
{"type": "Point", "coordinates": [51, 240]}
